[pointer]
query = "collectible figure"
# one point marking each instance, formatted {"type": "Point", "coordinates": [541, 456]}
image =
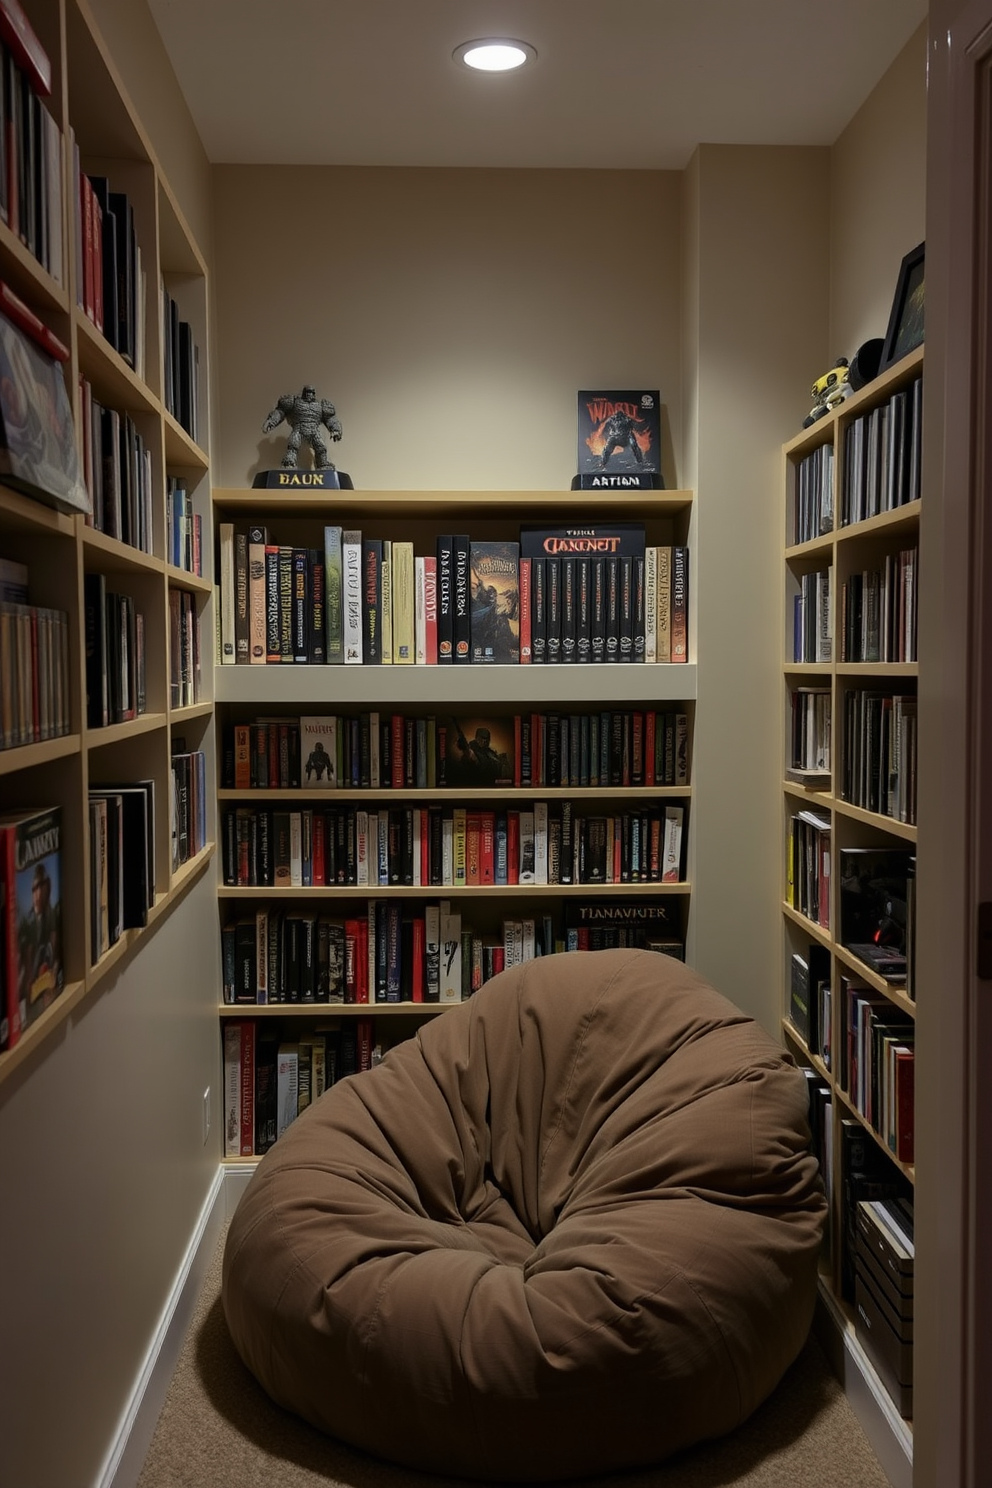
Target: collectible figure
{"type": "Point", "coordinates": [306, 415]}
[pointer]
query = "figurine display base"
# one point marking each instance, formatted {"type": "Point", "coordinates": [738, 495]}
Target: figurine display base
{"type": "Point", "coordinates": [630, 480]}
{"type": "Point", "coordinates": [303, 480]}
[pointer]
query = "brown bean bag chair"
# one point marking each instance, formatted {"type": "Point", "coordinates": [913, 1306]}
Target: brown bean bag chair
{"type": "Point", "coordinates": [571, 1227]}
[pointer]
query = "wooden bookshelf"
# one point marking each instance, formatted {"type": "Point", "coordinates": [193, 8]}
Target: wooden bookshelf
{"type": "Point", "coordinates": [244, 691]}
{"type": "Point", "coordinates": [101, 131]}
{"type": "Point", "coordinates": [864, 668]}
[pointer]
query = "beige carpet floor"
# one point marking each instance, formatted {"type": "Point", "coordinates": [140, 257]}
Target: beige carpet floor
{"type": "Point", "coordinates": [218, 1429]}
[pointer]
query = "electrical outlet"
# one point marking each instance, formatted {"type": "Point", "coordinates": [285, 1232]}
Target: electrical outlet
{"type": "Point", "coordinates": [206, 1115]}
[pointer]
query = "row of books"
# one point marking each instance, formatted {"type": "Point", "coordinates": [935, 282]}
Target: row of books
{"type": "Point", "coordinates": [810, 998]}
{"type": "Point", "coordinates": [808, 865]}
{"type": "Point", "coordinates": [878, 611]}
{"type": "Point", "coordinates": [34, 667]}
{"type": "Point", "coordinates": [184, 649]}
{"type": "Point", "coordinates": [812, 622]}
{"type": "Point", "coordinates": [183, 528]}
{"type": "Point", "coordinates": [181, 372]}
{"type": "Point", "coordinates": [271, 1076]}
{"type": "Point", "coordinates": [882, 456]}
{"type": "Point", "coordinates": [117, 471]}
{"type": "Point", "coordinates": [810, 714]}
{"type": "Point", "coordinates": [877, 1067]}
{"type": "Point", "coordinates": [187, 802]}
{"type": "Point", "coordinates": [364, 600]}
{"type": "Point", "coordinates": [390, 951]}
{"type": "Point", "coordinates": [813, 504]}
{"type": "Point", "coordinates": [30, 142]}
{"type": "Point", "coordinates": [110, 280]}
{"type": "Point", "coordinates": [115, 654]}
{"type": "Point", "coordinates": [879, 770]}
{"type": "Point", "coordinates": [619, 747]}
{"type": "Point", "coordinates": [451, 847]}
{"type": "Point", "coordinates": [31, 951]}
{"type": "Point", "coordinates": [122, 860]}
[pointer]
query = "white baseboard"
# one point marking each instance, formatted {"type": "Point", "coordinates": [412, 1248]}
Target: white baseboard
{"type": "Point", "coordinates": [126, 1458]}
{"type": "Point", "coordinates": [890, 1436]}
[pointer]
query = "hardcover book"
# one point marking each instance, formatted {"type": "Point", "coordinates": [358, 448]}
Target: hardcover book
{"type": "Point", "coordinates": [619, 433]}
{"type": "Point", "coordinates": [479, 752]}
{"type": "Point", "coordinates": [31, 895]}
{"type": "Point", "coordinates": [495, 602]}
{"type": "Point", "coordinates": [318, 752]}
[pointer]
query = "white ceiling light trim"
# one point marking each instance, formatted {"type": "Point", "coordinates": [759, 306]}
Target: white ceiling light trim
{"type": "Point", "coordinates": [494, 54]}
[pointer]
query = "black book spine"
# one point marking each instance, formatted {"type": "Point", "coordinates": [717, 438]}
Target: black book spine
{"type": "Point", "coordinates": [538, 610]}
{"type": "Point", "coordinates": [553, 611]}
{"type": "Point", "coordinates": [445, 598]}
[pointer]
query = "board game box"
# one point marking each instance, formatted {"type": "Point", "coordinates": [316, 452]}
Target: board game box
{"type": "Point", "coordinates": [619, 435]}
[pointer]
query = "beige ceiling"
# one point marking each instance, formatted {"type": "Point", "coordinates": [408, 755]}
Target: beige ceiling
{"type": "Point", "coordinates": [617, 83]}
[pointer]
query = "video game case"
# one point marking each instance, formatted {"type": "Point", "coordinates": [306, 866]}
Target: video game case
{"type": "Point", "coordinates": [461, 590]}
{"type": "Point", "coordinates": [495, 602]}
{"type": "Point", "coordinates": [619, 432]}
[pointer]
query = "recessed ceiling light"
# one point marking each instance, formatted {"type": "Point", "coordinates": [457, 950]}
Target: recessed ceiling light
{"type": "Point", "coordinates": [494, 54]}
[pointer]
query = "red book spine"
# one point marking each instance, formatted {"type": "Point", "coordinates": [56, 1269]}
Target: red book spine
{"type": "Point", "coordinates": [525, 626]}
{"type": "Point", "coordinates": [15, 309]}
{"type": "Point", "coordinates": [418, 941]}
{"type": "Point", "coordinates": [513, 847]}
{"type": "Point", "coordinates": [87, 202]}
{"type": "Point", "coordinates": [362, 963]}
{"type": "Point", "coordinates": [425, 846]}
{"type": "Point", "coordinates": [97, 211]}
{"type": "Point", "coordinates": [650, 738]}
{"type": "Point", "coordinates": [29, 54]}
{"type": "Point", "coordinates": [396, 751]}
{"type": "Point", "coordinates": [430, 610]}
{"type": "Point", "coordinates": [319, 853]}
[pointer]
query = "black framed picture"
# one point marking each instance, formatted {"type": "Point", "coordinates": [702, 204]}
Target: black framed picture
{"type": "Point", "coordinates": [905, 330]}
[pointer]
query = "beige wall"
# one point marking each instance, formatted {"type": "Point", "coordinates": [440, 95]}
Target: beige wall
{"type": "Point", "coordinates": [450, 315]}
{"type": "Point", "coordinates": [877, 199]}
{"type": "Point", "coordinates": [146, 73]}
{"type": "Point", "coordinates": [759, 286]}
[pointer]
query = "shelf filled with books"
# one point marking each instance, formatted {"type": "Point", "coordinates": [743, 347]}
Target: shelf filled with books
{"type": "Point", "coordinates": [106, 749]}
{"type": "Point", "coordinates": [447, 818]}
{"type": "Point", "coordinates": [852, 516]}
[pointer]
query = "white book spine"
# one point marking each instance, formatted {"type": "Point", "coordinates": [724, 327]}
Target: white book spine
{"type": "Point", "coordinates": [541, 842]}
{"type": "Point", "coordinates": [362, 848]}
{"type": "Point", "coordinates": [351, 585]}
{"type": "Point", "coordinates": [650, 604]}
{"type": "Point", "coordinates": [451, 954]}
{"type": "Point", "coordinates": [227, 593]}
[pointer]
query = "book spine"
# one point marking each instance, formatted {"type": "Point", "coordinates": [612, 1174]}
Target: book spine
{"type": "Point", "coordinates": [257, 604]}
{"type": "Point", "coordinates": [680, 604]}
{"type": "Point", "coordinates": [351, 581]}
{"type": "Point", "coordinates": [445, 598]}
{"type": "Point", "coordinates": [333, 601]}
{"type": "Point", "coordinates": [461, 599]}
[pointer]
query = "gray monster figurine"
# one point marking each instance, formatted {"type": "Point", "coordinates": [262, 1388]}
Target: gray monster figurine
{"type": "Point", "coordinates": [305, 414]}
